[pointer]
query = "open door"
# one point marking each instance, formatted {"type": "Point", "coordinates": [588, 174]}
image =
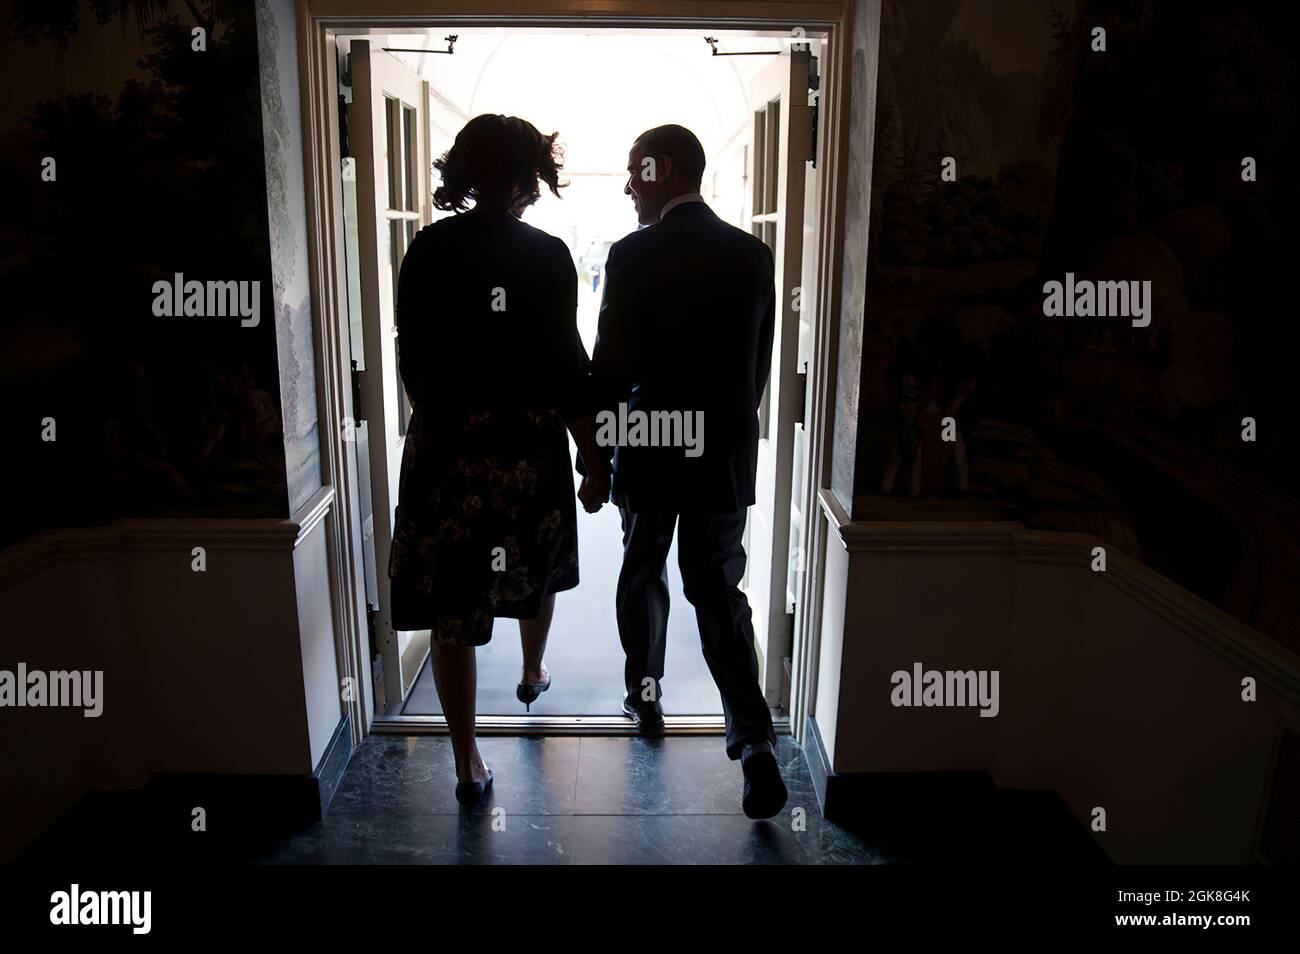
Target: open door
{"type": "Point", "coordinates": [388, 127]}
{"type": "Point", "coordinates": [781, 146]}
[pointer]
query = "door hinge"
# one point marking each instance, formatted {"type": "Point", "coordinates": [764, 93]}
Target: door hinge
{"type": "Point", "coordinates": [345, 101]}
{"type": "Point", "coordinates": [800, 407]}
{"type": "Point", "coordinates": [814, 87]}
{"type": "Point", "coordinates": [370, 628]}
{"type": "Point", "coordinates": [376, 662]}
{"type": "Point", "coordinates": [813, 138]}
{"type": "Point", "coordinates": [356, 393]}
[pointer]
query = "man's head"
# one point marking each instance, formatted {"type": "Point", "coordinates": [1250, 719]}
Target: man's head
{"type": "Point", "coordinates": [665, 162]}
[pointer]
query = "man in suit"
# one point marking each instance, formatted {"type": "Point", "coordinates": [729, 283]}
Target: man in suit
{"type": "Point", "coordinates": [686, 325]}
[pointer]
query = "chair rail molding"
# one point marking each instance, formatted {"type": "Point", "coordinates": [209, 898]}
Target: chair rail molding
{"type": "Point", "coordinates": [238, 534]}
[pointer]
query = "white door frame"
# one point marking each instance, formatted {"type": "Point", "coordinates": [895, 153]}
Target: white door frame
{"type": "Point", "coordinates": [381, 82]}
{"type": "Point", "coordinates": [318, 22]}
{"type": "Point", "coordinates": [785, 147]}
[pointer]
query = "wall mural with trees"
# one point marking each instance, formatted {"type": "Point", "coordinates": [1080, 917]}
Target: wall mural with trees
{"type": "Point", "coordinates": [159, 169]}
{"type": "Point", "coordinates": [1064, 164]}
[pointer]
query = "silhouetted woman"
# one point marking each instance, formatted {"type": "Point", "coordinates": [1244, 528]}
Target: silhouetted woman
{"type": "Point", "coordinates": [490, 356]}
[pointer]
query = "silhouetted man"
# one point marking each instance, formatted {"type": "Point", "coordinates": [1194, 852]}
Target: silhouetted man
{"type": "Point", "coordinates": [685, 339]}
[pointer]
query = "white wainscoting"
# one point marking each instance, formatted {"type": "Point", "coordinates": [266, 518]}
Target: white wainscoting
{"type": "Point", "coordinates": [1119, 690]}
{"type": "Point", "coordinates": [229, 670]}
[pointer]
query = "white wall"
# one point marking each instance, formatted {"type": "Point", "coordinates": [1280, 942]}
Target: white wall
{"type": "Point", "coordinates": [317, 647]}
{"type": "Point", "coordinates": [1118, 690]}
{"type": "Point", "coordinates": [60, 616]}
{"type": "Point", "coordinates": [227, 670]}
{"type": "Point", "coordinates": [830, 674]}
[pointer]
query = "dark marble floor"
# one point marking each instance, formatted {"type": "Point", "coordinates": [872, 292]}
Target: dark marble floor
{"type": "Point", "coordinates": [567, 801]}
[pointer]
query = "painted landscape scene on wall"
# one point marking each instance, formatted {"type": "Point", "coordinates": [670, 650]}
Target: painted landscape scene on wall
{"type": "Point", "coordinates": [1174, 440]}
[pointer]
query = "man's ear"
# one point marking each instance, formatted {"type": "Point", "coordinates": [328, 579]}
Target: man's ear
{"type": "Point", "coordinates": [652, 169]}
{"type": "Point", "coordinates": [665, 169]}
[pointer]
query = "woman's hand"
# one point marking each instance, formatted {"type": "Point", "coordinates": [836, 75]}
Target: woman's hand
{"type": "Point", "coordinates": [593, 492]}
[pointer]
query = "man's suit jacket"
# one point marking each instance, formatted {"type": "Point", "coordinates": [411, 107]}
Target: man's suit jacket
{"type": "Point", "coordinates": [686, 324]}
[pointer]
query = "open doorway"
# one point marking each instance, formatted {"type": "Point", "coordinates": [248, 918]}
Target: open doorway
{"type": "Point", "coordinates": [751, 98]}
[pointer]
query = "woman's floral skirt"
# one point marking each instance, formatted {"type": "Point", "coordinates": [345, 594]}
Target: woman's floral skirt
{"type": "Point", "coordinates": [485, 524]}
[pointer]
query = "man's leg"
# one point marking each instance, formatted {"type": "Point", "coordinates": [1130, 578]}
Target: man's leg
{"type": "Point", "coordinates": [713, 563]}
{"type": "Point", "coordinates": [641, 601]}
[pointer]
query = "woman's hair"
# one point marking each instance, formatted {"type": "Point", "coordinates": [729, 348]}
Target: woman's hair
{"type": "Point", "coordinates": [496, 155]}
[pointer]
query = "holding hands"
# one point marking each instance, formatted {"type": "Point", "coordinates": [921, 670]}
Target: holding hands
{"type": "Point", "coordinates": [595, 465]}
{"type": "Point", "coordinates": [594, 490]}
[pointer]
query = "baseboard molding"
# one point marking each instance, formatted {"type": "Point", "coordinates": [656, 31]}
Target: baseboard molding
{"type": "Point", "coordinates": [949, 818]}
{"type": "Point", "coordinates": [240, 804]}
{"type": "Point", "coordinates": [847, 798]}
{"type": "Point", "coordinates": [334, 763]}
{"type": "Point", "coordinates": [267, 803]}
{"type": "Point", "coordinates": [188, 818]}
{"type": "Point", "coordinates": [819, 763]}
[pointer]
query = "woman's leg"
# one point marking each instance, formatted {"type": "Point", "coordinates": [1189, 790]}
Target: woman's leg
{"type": "Point", "coordinates": [455, 674]}
{"type": "Point", "coordinates": [532, 634]}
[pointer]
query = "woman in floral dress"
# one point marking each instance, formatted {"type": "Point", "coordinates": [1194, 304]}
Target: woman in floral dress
{"type": "Point", "coordinates": [491, 359]}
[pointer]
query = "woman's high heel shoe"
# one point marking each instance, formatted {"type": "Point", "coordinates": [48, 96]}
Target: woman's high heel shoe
{"type": "Point", "coordinates": [527, 692]}
{"type": "Point", "coordinates": [467, 793]}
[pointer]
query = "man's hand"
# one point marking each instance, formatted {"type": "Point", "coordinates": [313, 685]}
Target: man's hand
{"type": "Point", "coordinates": [593, 492]}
